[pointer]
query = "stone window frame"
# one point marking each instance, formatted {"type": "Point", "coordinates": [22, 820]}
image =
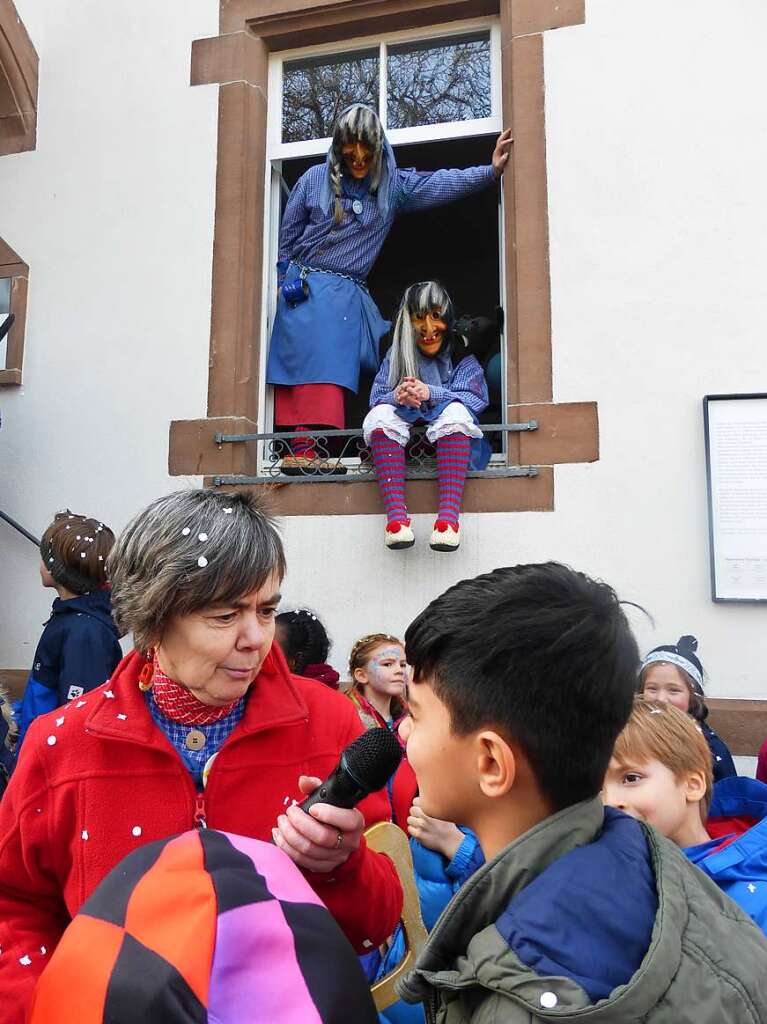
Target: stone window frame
{"type": "Point", "coordinates": [238, 61]}
{"type": "Point", "coordinates": [18, 83]}
{"type": "Point", "coordinates": [13, 267]}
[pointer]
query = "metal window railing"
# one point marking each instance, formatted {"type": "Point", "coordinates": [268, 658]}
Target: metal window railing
{"type": "Point", "coordinates": [342, 455]}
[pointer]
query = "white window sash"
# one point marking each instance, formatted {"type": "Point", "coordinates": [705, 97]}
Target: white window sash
{"type": "Point", "coordinates": [279, 150]}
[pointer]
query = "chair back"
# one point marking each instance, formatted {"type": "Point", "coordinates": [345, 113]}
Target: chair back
{"type": "Point", "coordinates": [386, 837]}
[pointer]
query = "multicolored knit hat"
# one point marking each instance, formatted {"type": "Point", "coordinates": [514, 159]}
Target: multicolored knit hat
{"type": "Point", "coordinates": [203, 928]}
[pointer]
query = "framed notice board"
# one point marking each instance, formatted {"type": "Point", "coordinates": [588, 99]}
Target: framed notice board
{"type": "Point", "coordinates": [736, 470]}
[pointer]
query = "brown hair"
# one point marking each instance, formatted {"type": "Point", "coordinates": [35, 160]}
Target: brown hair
{"type": "Point", "coordinates": [74, 550]}
{"type": "Point", "coordinates": [658, 731]}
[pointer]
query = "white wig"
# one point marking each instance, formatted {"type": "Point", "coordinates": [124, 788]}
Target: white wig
{"type": "Point", "coordinates": [419, 299]}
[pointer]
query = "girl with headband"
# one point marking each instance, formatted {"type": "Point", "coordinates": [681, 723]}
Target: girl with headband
{"type": "Point", "coordinates": [673, 674]}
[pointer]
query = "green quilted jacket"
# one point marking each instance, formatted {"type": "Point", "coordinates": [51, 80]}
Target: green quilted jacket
{"type": "Point", "coordinates": [706, 962]}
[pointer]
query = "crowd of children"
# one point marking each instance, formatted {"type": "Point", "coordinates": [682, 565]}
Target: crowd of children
{"type": "Point", "coordinates": [578, 832]}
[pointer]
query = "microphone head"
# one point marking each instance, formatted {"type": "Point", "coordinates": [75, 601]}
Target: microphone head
{"type": "Point", "coordinates": [372, 758]}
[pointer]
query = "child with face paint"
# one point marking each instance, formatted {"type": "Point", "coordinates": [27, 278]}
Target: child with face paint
{"type": "Point", "coordinates": [426, 378]}
{"type": "Point", "coordinates": [327, 326]}
{"type": "Point", "coordinates": [379, 676]}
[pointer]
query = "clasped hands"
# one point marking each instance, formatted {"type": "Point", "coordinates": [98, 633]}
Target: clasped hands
{"type": "Point", "coordinates": [412, 392]}
{"type": "Point", "coordinates": [322, 839]}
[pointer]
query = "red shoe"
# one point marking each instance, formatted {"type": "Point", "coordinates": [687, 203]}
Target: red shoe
{"type": "Point", "coordinates": [399, 535]}
{"type": "Point", "coordinates": [445, 536]}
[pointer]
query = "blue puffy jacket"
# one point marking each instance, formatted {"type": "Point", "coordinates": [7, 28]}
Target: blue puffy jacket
{"type": "Point", "coordinates": [78, 650]}
{"type": "Point", "coordinates": [437, 882]}
{"type": "Point", "coordinates": [740, 868]}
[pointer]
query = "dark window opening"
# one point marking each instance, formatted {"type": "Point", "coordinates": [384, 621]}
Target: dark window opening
{"type": "Point", "coordinates": [456, 244]}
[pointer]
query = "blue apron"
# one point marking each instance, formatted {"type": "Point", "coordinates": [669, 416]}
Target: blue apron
{"type": "Point", "coordinates": [328, 338]}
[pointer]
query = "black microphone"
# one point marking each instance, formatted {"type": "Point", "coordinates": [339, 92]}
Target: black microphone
{"type": "Point", "coordinates": [366, 765]}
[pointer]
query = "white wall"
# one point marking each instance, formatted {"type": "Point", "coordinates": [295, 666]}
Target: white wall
{"type": "Point", "coordinates": [657, 144]}
{"type": "Point", "coordinates": [113, 212]}
{"type": "Point", "coordinates": [657, 141]}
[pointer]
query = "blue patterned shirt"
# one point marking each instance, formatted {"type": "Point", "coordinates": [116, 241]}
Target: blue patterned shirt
{"type": "Point", "coordinates": [312, 237]}
{"type": "Point", "coordinates": [216, 734]}
{"type": "Point", "coordinates": [465, 384]}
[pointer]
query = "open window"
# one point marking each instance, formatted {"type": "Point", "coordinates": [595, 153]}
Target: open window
{"type": "Point", "coordinates": [13, 309]}
{"type": "Point", "coordinates": [364, 45]}
{"type": "Point", "coordinates": [438, 96]}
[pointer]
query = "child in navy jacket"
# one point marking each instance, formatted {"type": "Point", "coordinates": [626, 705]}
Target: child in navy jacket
{"type": "Point", "coordinates": [79, 646]}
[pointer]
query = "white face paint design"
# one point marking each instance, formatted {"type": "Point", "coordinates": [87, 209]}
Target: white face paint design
{"type": "Point", "coordinates": [386, 672]}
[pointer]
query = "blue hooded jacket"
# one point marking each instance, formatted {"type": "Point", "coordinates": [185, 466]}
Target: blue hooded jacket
{"type": "Point", "coordinates": [78, 650]}
{"type": "Point", "coordinates": [739, 869]}
{"type": "Point", "coordinates": [579, 919]}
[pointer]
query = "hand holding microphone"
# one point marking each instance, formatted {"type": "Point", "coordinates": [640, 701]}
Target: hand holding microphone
{"type": "Point", "coordinates": [321, 833]}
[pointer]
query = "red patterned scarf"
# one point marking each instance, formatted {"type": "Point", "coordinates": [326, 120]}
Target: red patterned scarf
{"type": "Point", "coordinates": [179, 704]}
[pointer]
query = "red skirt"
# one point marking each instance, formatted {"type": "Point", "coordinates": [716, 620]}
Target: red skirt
{"type": "Point", "coordinates": [309, 405]}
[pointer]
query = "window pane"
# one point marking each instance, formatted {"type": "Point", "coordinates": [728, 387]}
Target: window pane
{"type": "Point", "coordinates": [439, 80]}
{"type": "Point", "coordinates": [5, 295]}
{"type": "Point", "coordinates": [315, 91]}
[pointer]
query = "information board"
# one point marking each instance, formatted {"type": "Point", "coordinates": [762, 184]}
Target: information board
{"type": "Point", "coordinates": [736, 468]}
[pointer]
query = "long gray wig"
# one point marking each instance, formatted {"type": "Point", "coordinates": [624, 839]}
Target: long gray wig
{"type": "Point", "coordinates": [357, 122]}
{"type": "Point", "coordinates": [419, 299]}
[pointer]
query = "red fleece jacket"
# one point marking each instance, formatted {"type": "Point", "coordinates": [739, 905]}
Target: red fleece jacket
{"type": "Point", "coordinates": [97, 778]}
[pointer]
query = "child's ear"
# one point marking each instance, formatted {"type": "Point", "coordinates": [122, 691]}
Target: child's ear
{"type": "Point", "coordinates": [695, 787]}
{"type": "Point", "coordinates": [360, 676]}
{"type": "Point", "coordinates": [496, 764]}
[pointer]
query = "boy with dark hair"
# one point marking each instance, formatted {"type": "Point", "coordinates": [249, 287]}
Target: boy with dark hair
{"type": "Point", "coordinates": [79, 647]}
{"type": "Point", "coordinates": [522, 680]}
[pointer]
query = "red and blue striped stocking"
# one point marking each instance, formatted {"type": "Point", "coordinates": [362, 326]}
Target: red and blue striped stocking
{"type": "Point", "coordinates": [453, 454]}
{"type": "Point", "coordinates": [303, 446]}
{"type": "Point", "coordinates": [389, 461]}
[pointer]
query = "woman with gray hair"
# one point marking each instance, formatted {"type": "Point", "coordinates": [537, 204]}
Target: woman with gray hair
{"type": "Point", "coordinates": [201, 724]}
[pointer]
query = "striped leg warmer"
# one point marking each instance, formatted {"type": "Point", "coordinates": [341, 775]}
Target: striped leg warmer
{"type": "Point", "coordinates": [453, 454]}
{"type": "Point", "coordinates": [389, 461]}
{"type": "Point", "coordinates": [303, 445]}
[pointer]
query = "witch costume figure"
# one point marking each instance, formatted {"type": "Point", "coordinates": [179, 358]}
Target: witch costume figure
{"type": "Point", "coordinates": [426, 377]}
{"type": "Point", "coordinates": [327, 326]}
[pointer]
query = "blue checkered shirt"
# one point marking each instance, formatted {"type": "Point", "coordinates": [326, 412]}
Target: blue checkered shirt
{"type": "Point", "coordinates": [216, 735]}
{"type": "Point", "coordinates": [312, 237]}
{"type": "Point", "coordinates": [465, 384]}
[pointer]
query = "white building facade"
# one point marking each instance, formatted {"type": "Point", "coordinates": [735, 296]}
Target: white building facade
{"type": "Point", "coordinates": [653, 226]}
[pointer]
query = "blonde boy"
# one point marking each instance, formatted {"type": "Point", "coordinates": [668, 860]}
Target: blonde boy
{"type": "Point", "coordinates": [661, 773]}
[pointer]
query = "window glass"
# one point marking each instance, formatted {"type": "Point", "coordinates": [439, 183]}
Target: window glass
{"type": "Point", "coordinates": [5, 295]}
{"type": "Point", "coordinates": [439, 80]}
{"type": "Point", "coordinates": [316, 89]}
